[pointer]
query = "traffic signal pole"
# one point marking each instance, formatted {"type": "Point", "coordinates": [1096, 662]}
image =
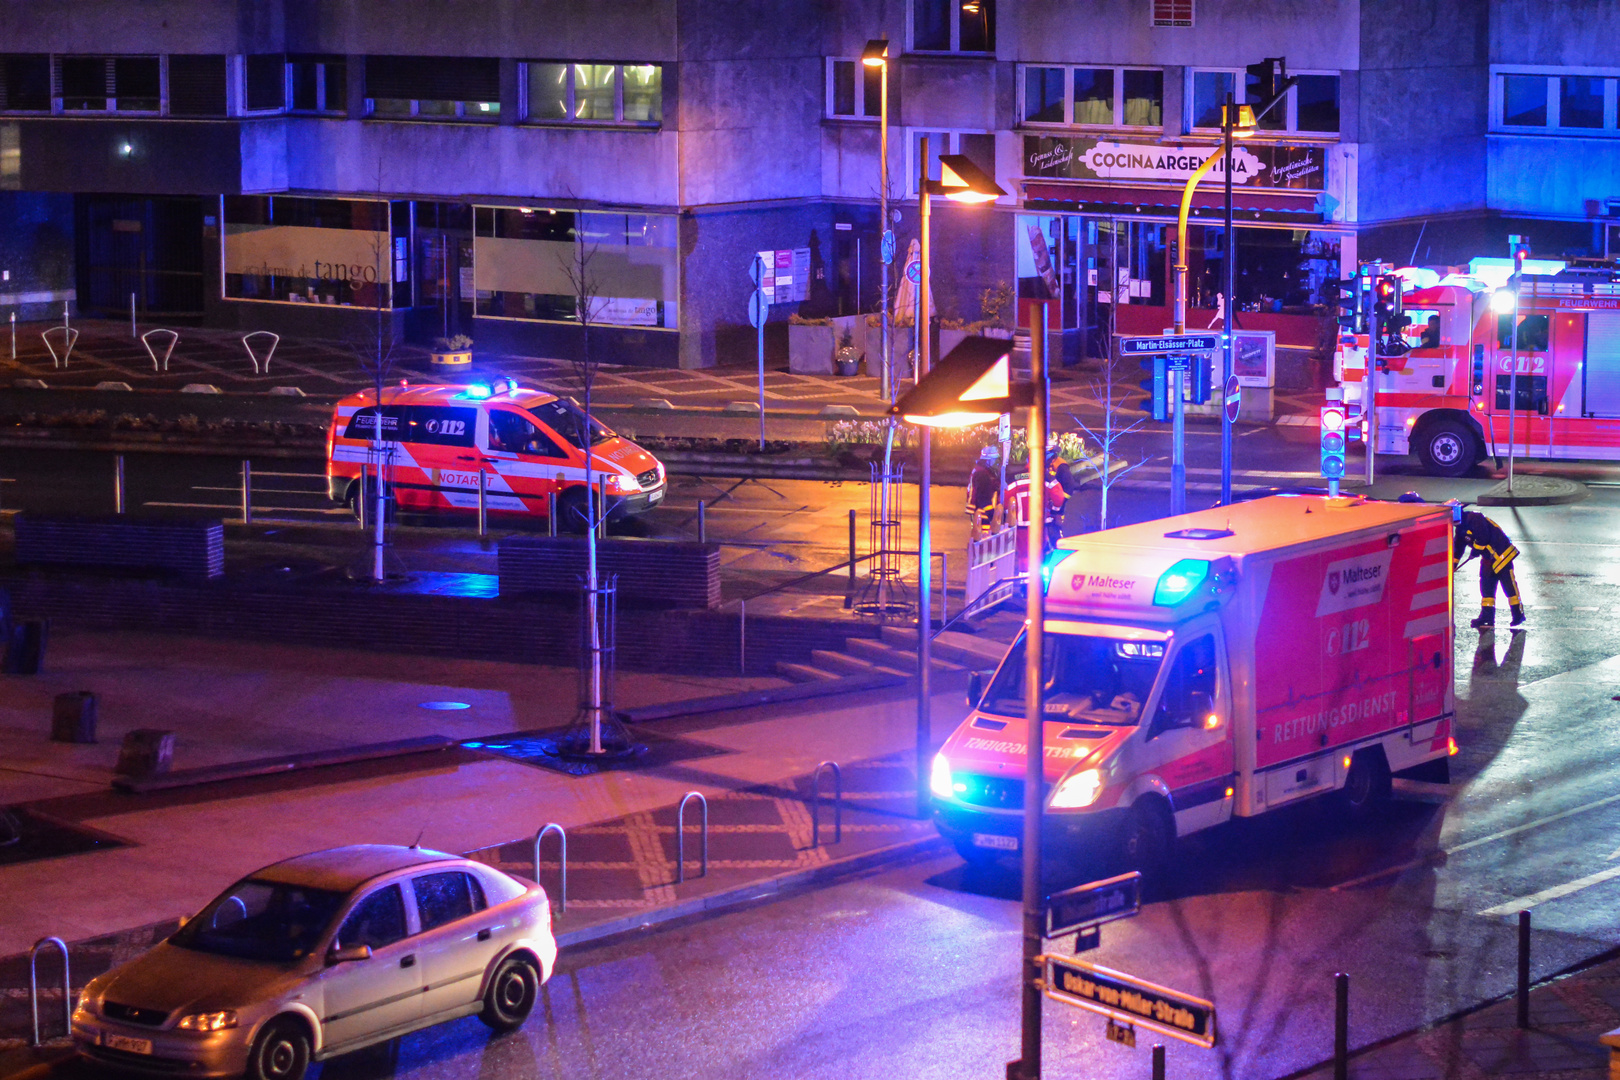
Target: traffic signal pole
{"type": "Point", "coordinates": [1178, 425]}
{"type": "Point", "coordinates": [1230, 343]}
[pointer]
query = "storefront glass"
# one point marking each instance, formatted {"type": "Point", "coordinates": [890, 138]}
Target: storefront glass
{"type": "Point", "coordinates": [313, 251]}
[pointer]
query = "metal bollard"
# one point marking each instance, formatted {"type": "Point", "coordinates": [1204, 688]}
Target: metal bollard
{"type": "Point", "coordinates": [742, 637]}
{"type": "Point", "coordinates": [852, 550]}
{"type": "Point", "coordinates": [1158, 1061]}
{"type": "Point", "coordinates": [118, 483]}
{"type": "Point", "coordinates": [944, 588]}
{"type": "Point", "coordinates": [838, 803]}
{"type": "Point", "coordinates": [247, 492]}
{"type": "Point", "coordinates": [562, 860]}
{"type": "Point", "coordinates": [483, 503]}
{"type": "Point", "coordinates": [33, 986]}
{"type": "Point", "coordinates": [703, 524]}
{"type": "Point", "coordinates": [680, 836]}
{"type": "Point", "coordinates": [132, 332]}
{"type": "Point", "coordinates": [1524, 969]}
{"type": "Point", "coordinates": [14, 335]}
{"type": "Point", "coordinates": [602, 512]}
{"type": "Point", "coordinates": [360, 501]}
{"type": "Point", "coordinates": [1341, 1026]}
{"type": "Point", "coordinates": [551, 514]}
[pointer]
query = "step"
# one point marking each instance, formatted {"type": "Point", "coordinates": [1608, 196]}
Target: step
{"type": "Point", "coordinates": [844, 663]}
{"type": "Point", "coordinates": [970, 651]}
{"type": "Point", "coordinates": [888, 656]}
{"type": "Point", "coordinates": [803, 672]}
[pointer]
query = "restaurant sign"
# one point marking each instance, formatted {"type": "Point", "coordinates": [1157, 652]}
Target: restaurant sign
{"type": "Point", "coordinates": [1297, 168]}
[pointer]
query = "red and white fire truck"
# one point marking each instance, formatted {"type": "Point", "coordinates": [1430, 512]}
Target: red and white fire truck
{"type": "Point", "coordinates": [1451, 396]}
{"type": "Point", "coordinates": [1217, 664]}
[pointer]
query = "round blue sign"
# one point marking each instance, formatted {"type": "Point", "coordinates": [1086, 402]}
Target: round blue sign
{"type": "Point", "coordinates": [914, 272]}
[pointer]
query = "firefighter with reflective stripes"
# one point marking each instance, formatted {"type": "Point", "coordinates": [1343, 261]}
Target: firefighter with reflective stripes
{"type": "Point", "coordinates": [1475, 534]}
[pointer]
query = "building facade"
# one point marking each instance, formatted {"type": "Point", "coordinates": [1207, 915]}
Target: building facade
{"type": "Point", "coordinates": [500, 167]}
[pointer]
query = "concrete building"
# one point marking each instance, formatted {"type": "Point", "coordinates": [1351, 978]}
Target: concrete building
{"type": "Point", "coordinates": [315, 166]}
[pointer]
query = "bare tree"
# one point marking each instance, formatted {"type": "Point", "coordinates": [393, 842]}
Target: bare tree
{"type": "Point", "coordinates": [377, 352]}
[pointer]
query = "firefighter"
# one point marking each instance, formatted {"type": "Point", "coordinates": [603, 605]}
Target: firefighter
{"type": "Point", "coordinates": [984, 489]}
{"type": "Point", "coordinates": [1018, 504]}
{"type": "Point", "coordinates": [1475, 534]}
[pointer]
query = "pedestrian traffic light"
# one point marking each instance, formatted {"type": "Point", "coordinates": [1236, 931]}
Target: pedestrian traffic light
{"type": "Point", "coordinates": [1333, 423]}
{"type": "Point", "coordinates": [1157, 387]}
{"type": "Point", "coordinates": [1265, 79]}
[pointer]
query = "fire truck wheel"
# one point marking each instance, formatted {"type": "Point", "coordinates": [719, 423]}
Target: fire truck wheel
{"type": "Point", "coordinates": [1366, 786]}
{"type": "Point", "coordinates": [1447, 448]}
{"type": "Point", "coordinates": [1150, 834]}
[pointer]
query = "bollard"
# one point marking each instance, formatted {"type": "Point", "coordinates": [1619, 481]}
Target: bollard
{"type": "Point", "coordinates": [1158, 1061]}
{"type": "Point", "coordinates": [703, 525]}
{"type": "Point", "coordinates": [118, 483]}
{"type": "Point", "coordinates": [483, 503]}
{"type": "Point", "coordinates": [360, 501]}
{"type": "Point", "coordinates": [247, 492]}
{"type": "Point", "coordinates": [551, 514]}
{"type": "Point", "coordinates": [742, 637]}
{"type": "Point", "coordinates": [132, 332]}
{"type": "Point", "coordinates": [852, 550]}
{"type": "Point", "coordinates": [14, 335]}
{"type": "Point", "coordinates": [1341, 1026]}
{"type": "Point", "coordinates": [602, 511]}
{"type": "Point", "coordinates": [944, 588]}
{"type": "Point", "coordinates": [1524, 969]}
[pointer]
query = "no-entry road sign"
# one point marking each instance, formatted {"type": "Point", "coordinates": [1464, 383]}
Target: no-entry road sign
{"type": "Point", "coordinates": [1168, 343]}
{"type": "Point", "coordinates": [1233, 400]}
{"type": "Point", "coordinates": [1131, 1000]}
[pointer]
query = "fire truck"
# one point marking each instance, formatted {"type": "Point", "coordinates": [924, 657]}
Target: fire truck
{"type": "Point", "coordinates": [1481, 369]}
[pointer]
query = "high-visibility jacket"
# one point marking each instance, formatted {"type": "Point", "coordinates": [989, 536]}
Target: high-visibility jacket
{"type": "Point", "coordinates": [1486, 538]}
{"type": "Point", "coordinates": [1018, 499]}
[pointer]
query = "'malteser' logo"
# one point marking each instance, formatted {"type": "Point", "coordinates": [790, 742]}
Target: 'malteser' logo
{"type": "Point", "coordinates": [1100, 581]}
{"type": "Point", "coordinates": [1353, 583]}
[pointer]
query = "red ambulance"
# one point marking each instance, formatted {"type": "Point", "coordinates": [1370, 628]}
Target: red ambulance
{"type": "Point", "coordinates": [526, 443]}
{"type": "Point", "coordinates": [1217, 664]}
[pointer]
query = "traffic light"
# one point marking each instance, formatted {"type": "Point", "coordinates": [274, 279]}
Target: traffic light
{"type": "Point", "coordinates": [1350, 305]}
{"type": "Point", "coordinates": [1266, 78]}
{"type": "Point", "coordinates": [1352, 423]}
{"type": "Point", "coordinates": [1333, 441]}
{"type": "Point", "coordinates": [1157, 386]}
{"type": "Point", "coordinates": [1198, 380]}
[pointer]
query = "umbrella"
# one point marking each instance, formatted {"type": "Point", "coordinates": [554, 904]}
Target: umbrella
{"type": "Point", "coordinates": [905, 298]}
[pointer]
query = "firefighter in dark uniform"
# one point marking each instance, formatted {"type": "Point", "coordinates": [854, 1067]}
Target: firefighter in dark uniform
{"type": "Point", "coordinates": [1475, 534]}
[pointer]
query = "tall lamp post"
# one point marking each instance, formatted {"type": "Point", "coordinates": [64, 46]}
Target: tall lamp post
{"type": "Point", "coordinates": [876, 55]}
{"type": "Point", "coordinates": [973, 386]}
{"type": "Point", "coordinates": [960, 180]}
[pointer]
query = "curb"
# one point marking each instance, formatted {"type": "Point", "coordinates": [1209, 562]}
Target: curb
{"type": "Point", "coordinates": [1534, 491]}
{"type": "Point", "coordinates": [770, 696]}
{"type": "Point", "coordinates": [277, 766]}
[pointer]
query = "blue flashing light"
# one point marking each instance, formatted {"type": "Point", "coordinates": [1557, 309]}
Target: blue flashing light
{"type": "Point", "coordinates": [477, 392]}
{"type": "Point", "coordinates": [1180, 581]}
{"type": "Point", "coordinates": [1049, 564]}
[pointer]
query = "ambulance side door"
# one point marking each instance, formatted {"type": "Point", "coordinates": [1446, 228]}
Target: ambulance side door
{"type": "Point", "coordinates": [525, 457]}
{"type": "Point", "coordinates": [441, 442]}
{"type": "Point", "coordinates": [1189, 736]}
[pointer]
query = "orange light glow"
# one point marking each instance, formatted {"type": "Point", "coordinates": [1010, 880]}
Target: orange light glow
{"type": "Point", "coordinates": [1451, 748]}
{"type": "Point", "coordinates": [1347, 761]}
{"type": "Point", "coordinates": [1211, 722]}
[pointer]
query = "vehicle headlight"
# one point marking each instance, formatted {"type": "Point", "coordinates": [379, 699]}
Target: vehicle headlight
{"type": "Point", "coordinates": [939, 780]}
{"type": "Point", "coordinates": [1077, 791]}
{"type": "Point", "coordinates": [626, 485]}
{"type": "Point", "coordinates": [209, 1021]}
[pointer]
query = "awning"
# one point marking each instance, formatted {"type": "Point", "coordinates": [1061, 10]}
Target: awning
{"type": "Point", "coordinates": [1251, 203]}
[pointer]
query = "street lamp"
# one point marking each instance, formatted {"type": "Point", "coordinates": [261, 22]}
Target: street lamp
{"type": "Point", "coordinates": [960, 180]}
{"type": "Point", "coordinates": [876, 55]}
{"type": "Point", "coordinates": [971, 386]}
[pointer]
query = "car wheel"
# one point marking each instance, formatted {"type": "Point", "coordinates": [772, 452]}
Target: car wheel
{"type": "Point", "coordinates": [1366, 785]}
{"type": "Point", "coordinates": [1447, 448]}
{"type": "Point", "coordinates": [281, 1052]}
{"type": "Point", "coordinates": [571, 512]}
{"type": "Point", "coordinates": [1150, 835]}
{"type": "Point", "coordinates": [511, 994]}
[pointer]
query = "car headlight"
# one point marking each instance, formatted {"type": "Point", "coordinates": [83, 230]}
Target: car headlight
{"type": "Point", "coordinates": [209, 1021]}
{"type": "Point", "coordinates": [939, 780]}
{"type": "Point", "coordinates": [626, 485]}
{"type": "Point", "coordinates": [1077, 791]}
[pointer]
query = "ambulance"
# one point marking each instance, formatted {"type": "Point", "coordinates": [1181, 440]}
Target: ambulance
{"type": "Point", "coordinates": [1219, 664]}
{"type": "Point", "coordinates": [1480, 371]}
{"type": "Point", "coordinates": [525, 443]}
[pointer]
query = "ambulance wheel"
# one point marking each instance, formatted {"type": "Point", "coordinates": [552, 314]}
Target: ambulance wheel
{"type": "Point", "coordinates": [1367, 785]}
{"type": "Point", "coordinates": [1447, 448]}
{"type": "Point", "coordinates": [1150, 835]}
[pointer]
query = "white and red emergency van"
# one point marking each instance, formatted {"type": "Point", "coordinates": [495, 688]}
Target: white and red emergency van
{"type": "Point", "coordinates": [1217, 664]}
{"type": "Point", "coordinates": [1449, 396]}
{"type": "Point", "coordinates": [525, 442]}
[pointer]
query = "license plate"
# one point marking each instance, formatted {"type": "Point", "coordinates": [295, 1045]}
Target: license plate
{"type": "Point", "coordinates": [656, 497]}
{"type": "Point", "coordinates": [124, 1042]}
{"type": "Point", "coordinates": [992, 840]}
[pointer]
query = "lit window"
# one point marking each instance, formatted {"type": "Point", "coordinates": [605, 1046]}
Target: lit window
{"type": "Point", "coordinates": [1093, 96]}
{"type": "Point", "coordinates": [953, 25]}
{"type": "Point", "coordinates": [573, 93]}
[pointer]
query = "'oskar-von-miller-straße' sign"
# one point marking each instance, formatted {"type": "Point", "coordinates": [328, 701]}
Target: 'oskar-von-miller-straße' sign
{"type": "Point", "coordinates": [1299, 168]}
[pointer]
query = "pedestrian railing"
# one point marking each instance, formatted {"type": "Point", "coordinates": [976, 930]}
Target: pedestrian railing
{"type": "Point", "coordinates": [680, 836]}
{"type": "Point", "coordinates": [33, 986]}
{"type": "Point", "coordinates": [562, 860]}
{"type": "Point", "coordinates": [815, 802]}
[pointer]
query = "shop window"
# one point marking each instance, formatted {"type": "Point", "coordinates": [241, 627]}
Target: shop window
{"type": "Point", "coordinates": [569, 93]}
{"type": "Point", "coordinates": [1171, 12]}
{"type": "Point", "coordinates": [854, 90]}
{"type": "Point", "coordinates": [433, 88]}
{"type": "Point", "coordinates": [197, 86]}
{"type": "Point", "coordinates": [953, 25]}
{"type": "Point", "coordinates": [1093, 96]}
{"type": "Point", "coordinates": [309, 251]}
{"type": "Point", "coordinates": [25, 82]}
{"type": "Point", "coordinates": [264, 83]}
{"type": "Point", "coordinates": [319, 84]}
{"type": "Point", "coordinates": [109, 83]}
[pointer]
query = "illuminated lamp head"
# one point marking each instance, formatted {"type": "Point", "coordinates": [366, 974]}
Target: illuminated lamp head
{"type": "Point", "coordinates": [1180, 581]}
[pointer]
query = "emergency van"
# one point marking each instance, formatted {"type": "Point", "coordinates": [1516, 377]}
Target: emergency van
{"type": "Point", "coordinates": [525, 443]}
{"type": "Point", "coordinates": [1450, 395]}
{"type": "Point", "coordinates": [1212, 665]}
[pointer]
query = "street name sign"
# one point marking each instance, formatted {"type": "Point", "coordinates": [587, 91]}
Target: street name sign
{"type": "Point", "coordinates": [1168, 343]}
{"type": "Point", "coordinates": [1093, 904]}
{"type": "Point", "coordinates": [1129, 1000]}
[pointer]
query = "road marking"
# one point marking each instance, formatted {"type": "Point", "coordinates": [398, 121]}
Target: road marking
{"type": "Point", "coordinates": [1487, 839]}
{"type": "Point", "coordinates": [1524, 903]}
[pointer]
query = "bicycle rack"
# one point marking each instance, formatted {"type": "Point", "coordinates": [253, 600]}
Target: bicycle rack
{"type": "Point", "coordinates": [70, 337]}
{"type": "Point", "coordinates": [680, 836]}
{"type": "Point", "coordinates": [815, 803]}
{"type": "Point", "coordinates": [33, 986]}
{"type": "Point", "coordinates": [146, 340]}
{"type": "Point", "coordinates": [562, 860]}
{"type": "Point", "coordinates": [275, 339]}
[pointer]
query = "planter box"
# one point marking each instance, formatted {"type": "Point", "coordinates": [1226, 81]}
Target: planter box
{"type": "Point", "coordinates": [459, 359]}
{"type": "Point", "coordinates": [190, 549]}
{"type": "Point", "coordinates": [810, 349]}
{"type": "Point", "coordinates": [661, 571]}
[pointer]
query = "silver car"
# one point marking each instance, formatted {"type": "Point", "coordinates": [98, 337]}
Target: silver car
{"type": "Point", "coordinates": [320, 955]}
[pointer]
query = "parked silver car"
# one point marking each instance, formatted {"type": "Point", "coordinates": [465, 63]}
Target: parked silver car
{"type": "Point", "coordinates": [320, 955]}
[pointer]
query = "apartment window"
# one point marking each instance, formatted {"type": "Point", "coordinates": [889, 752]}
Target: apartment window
{"type": "Point", "coordinates": [1209, 91]}
{"type": "Point", "coordinates": [1579, 102]}
{"type": "Point", "coordinates": [1106, 97]}
{"type": "Point", "coordinates": [264, 82]}
{"type": "Point", "coordinates": [433, 88]}
{"type": "Point", "coordinates": [25, 82]}
{"type": "Point", "coordinates": [1171, 12]}
{"type": "Point", "coordinates": [109, 83]}
{"type": "Point", "coordinates": [318, 84]}
{"type": "Point", "coordinates": [573, 93]}
{"type": "Point", "coordinates": [854, 90]}
{"type": "Point", "coordinates": [977, 146]}
{"type": "Point", "coordinates": [1311, 107]}
{"type": "Point", "coordinates": [197, 85]}
{"type": "Point", "coordinates": [953, 25]}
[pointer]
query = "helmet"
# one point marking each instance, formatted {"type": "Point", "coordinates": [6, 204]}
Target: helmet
{"type": "Point", "coordinates": [1410, 497]}
{"type": "Point", "coordinates": [989, 454]}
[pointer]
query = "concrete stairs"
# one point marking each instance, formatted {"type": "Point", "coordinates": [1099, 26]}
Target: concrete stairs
{"type": "Point", "coordinates": [894, 653]}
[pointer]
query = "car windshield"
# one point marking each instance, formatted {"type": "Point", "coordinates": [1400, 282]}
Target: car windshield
{"type": "Point", "coordinates": [1096, 680]}
{"type": "Point", "coordinates": [261, 920]}
{"type": "Point", "coordinates": [567, 419]}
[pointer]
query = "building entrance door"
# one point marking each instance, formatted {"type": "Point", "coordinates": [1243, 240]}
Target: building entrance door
{"type": "Point", "coordinates": [148, 248]}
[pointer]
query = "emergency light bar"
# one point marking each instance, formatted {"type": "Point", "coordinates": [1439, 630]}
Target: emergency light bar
{"type": "Point", "coordinates": [476, 392]}
{"type": "Point", "coordinates": [1180, 581]}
